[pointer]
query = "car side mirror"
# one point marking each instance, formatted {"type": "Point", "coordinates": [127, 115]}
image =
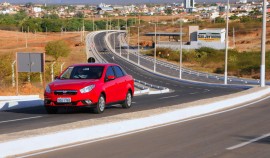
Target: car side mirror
{"type": "Point", "coordinates": [56, 77]}
{"type": "Point", "coordinates": [109, 78]}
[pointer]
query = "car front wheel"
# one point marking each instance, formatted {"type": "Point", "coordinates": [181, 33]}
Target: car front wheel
{"type": "Point", "coordinates": [127, 103]}
{"type": "Point", "coordinates": [100, 107]}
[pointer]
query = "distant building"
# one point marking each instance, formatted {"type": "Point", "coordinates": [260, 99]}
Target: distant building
{"type": "Point", "coordinates": [5, 4]}
{"type": "Point", "coordinates": [102, 8]}
{"type": "Point", "coordinates": [212, 38]}
{"type": "Point", "coordinates": [243, 1]}
{"type": "Point", "coordinates": [189, 5]}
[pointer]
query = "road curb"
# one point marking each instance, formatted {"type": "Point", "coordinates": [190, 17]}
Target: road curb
{"type": "Point", "coordinates": [25, 145]}
{"type": "Point", "coordinates": [19, 102]}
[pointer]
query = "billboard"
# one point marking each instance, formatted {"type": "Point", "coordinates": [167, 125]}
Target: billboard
{"type": "Point", "coordinates": [30, 62]}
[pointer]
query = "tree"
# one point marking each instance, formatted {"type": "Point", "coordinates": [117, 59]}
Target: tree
{"type": "Point", "coordinates": [219, 20]}
{"type": "Point", "coordinates": [57, 49]}
{"type": "Point", "coordinates": [168, 11]}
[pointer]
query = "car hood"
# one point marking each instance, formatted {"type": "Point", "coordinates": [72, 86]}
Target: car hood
{"type": "Point", "coordinates": [71, 84]}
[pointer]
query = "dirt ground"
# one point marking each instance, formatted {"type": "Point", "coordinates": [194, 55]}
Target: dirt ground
{"type": "Point", "coordinates": [12, 42]}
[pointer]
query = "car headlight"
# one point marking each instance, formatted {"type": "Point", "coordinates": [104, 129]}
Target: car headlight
{"type": "Point", "coordinates": [87, 89]}
{"type": "Point", "coordinates": [48, 89]}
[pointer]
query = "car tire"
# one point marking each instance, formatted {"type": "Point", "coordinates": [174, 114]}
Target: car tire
{"type": "Point", "coordinates": [128, 101]}
{"type": "Point", "coordinates": [100, 107]}
{"type": "Point", "coordinates": [51, 110]}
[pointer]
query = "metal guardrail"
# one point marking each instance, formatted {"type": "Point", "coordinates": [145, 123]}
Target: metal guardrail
{"type": "Point", "coordinates": [193, 72]}
{"type": "Point", "coordinates": [96, 54]}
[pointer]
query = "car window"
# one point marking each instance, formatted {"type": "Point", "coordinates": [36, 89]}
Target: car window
{"type": "Point", "coordinates": [118, 71]}
{"type": "Point", "coordinates": [110, 72]}
{"type": "Point", "coordinates": [67, 73]}
{"type": "Point", "coordinates": [87, 72]}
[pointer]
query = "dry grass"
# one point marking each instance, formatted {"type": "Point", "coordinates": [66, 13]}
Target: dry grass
{"type": "Point", "coordinates": [12, 42]}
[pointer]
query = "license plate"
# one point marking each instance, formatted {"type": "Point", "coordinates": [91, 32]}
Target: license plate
{"type": "Point", "coordinates": [63, 100]}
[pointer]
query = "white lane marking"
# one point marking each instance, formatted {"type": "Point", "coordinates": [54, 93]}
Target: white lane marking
{"type": "Point", "coordinates": [248, 142]}
{"type": "Point", "coordinates": [194, 93]}
{"type": "Point", "coordinates": [142, 130]}
{"type": "Point", "coordinates": [169, 97]}
{"type": "Point", "coordinates": [28, 118]}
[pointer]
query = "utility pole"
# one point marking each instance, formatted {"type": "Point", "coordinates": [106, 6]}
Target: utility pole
{"type": "Point", "coordinates": [93, 21]}
{"type": "Point", "coordinates": [138, 45]}
{"type": "Point", "coordinates": [263, 45]}
{"type": "Point", "coordinates": [233, 38]}
{"type": "Point", "coordinates": [155, 52]}
{"type": "Point", "coordinates": [118, 23]}
{"type": "Point", "coordinates": [226, 45]}
{"type": "Point", "coordinates": [128, 31]}
{"type": "Point", "coordinates": [181, 50]}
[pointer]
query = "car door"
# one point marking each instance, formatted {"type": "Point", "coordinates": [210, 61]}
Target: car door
{"type": "Point", "coordinates": [110, 86]}
{"type": "Point", "coordinates": [121, 83]}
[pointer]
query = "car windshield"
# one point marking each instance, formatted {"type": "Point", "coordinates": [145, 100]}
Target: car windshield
{"type": "Point", "coordinates": [83, 72]}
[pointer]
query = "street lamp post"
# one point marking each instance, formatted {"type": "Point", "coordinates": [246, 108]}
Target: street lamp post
{"type": "Point", "coordinates": [155, 48]}
{"type": "Point", "coordinates": [114, 41]}
{"type": "Point", "coordinates": [262, 83]}
{"type": "Point", "coordinates": [93, 21]}
{"type": "Point", "coordinates": [181, 52]}
{"type": "Point", "coordinates": [138, 45]}
{"type": "Point", "coordinates": [128, 32]}
{"type": "Point", "coordinates": [120, 45]}
{"type": "Point", "coordinates": [155, 52]}
{"type": "Point", "coordinates": [226, 45]}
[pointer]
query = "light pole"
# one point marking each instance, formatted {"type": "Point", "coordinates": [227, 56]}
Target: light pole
{"type": "Point", "coordinates": [262, 84]}
{"type": "Point", "coordinates": [181, 51]}
{"type": "Point", "coordinates": [226, 45]}
{"type": "Point", "coordinates": [120, 44]}
{"type": "Point", "coordinates": [155, 48]}
{"type": "Point", "coordinates": [155, 52]}
{"type": "Point", "coordinates": [138, 45]}
{"type": "Point", "coordinates": [126, 23]}
{"type": "Point", "coordinates": [114, 41]}
{"type": "Point", "coordinates": [128, 32]}
{"type": "Point", "coordinates": [93, 21]}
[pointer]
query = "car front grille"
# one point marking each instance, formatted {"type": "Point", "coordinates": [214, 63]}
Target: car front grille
{"type": "Point", "coordinates": [65, 92]}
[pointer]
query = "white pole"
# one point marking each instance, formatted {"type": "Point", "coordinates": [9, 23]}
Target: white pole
{"type": "Point", "coordinates": [181, 51]}
{"type": "Point", "coordinates": [138, 45]}
{"type": "Point", "coordinates": [226, 45]}
{"type": "Point", "coordinates": [40, 75]}
{"type": "Point", "coordinates": [155, 52]}
{"type": "Point", "coordinates": [126, 23]}
{"type": "Point", "coordinates": [52, 75]}
{"type": "Point", "coordinates": [94, 23]}
{"type": "Point", "coordinates": [128, 42]}
{"type": "Point", "coordinates": [233, 38]}
{"type": "Point", "coordinates": [62, 66]}
{"type": "Point", "coordinates": [263, 45]}
{"type": "Point", "coordinates": [26, 40]}
{"type": "Point", "coordinates": [114, 41]}
{"type": "Point", "coordinates": [120, 45]}
{"type": "Point", "coordinates": [13, 73]}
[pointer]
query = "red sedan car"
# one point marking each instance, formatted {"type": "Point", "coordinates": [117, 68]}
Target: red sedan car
{"type": "Point", "coordinates": [91, 85]}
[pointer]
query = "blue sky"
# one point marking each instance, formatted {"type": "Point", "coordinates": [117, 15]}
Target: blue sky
{"type": "Point", "coordinates": [106, 1]}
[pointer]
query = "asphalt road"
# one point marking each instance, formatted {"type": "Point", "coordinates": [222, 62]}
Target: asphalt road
{"type": "Point", "coordinates": [34, 118]}
{"type": "Point", "coordinates": [171, 69]}
{"type": "Point", "coordinates": [243, 133]}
